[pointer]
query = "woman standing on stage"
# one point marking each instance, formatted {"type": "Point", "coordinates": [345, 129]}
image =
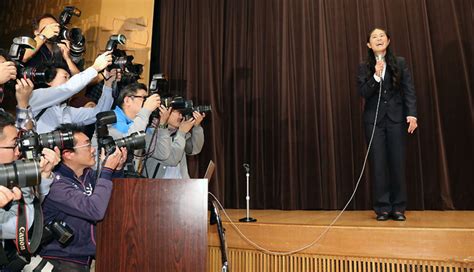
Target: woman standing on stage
{"type": "Point", "coordinates": [385, 74]}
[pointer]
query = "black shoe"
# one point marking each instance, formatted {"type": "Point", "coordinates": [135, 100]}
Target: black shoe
{"type": "Point", "coordinates": [382, 216]}
{"type": "Point", "coordinates": [398, 216]}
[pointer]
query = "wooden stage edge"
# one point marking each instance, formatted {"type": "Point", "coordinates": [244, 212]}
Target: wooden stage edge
{"type": "Point", "coordinates": [440, 236]}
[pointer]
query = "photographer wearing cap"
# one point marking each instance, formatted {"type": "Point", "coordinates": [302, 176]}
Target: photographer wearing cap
{"type": "Point", "coordinates": [79, 199]}
{"type": "Point", "coordinates": [187, 139]}
{"type": "Point", "coordinates": [48, 104]}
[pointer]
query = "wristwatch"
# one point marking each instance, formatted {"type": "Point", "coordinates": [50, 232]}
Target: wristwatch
{"type": "Point", "coordinates": [42, 37]}
{"type": "Point", "coordinates": [162, 125]}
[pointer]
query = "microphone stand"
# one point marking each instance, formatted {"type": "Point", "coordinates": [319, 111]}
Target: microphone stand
{"type": "Point", "coordinates": [247, 218]}
{"type": "Point", "coordinates": [216, 219]}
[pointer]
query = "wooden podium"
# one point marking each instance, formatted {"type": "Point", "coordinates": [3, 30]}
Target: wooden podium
{"type": "Point", "coordinates": [154, 225]}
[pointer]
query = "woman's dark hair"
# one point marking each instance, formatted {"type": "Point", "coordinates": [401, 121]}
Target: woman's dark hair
{"type": "Point", "coordinates": [390, 59]}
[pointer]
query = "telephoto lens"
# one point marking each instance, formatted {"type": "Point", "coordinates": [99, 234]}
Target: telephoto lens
{"type": "Point", "coordinates": [20, 174]}
{"type": "Point", "coordinates": [38, 75]}
{"type": "Point", "coordinates": [31, 143]}
{"type": "Point", "coordinates": [135, 141]}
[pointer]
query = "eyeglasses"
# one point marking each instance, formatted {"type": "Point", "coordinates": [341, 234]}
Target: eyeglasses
{"type": "Point", "coordinates": [10, 147]}
{"type": "Point", "coordinates": [84, 145]}
{"type": "Point", "coordinates": [139, 96]}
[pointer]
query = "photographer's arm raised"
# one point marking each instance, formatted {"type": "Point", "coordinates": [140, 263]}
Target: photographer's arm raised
{"type": "Point", "coordinates": [47, 97]}
{"type": "Point", "coordinates": [41, 37]}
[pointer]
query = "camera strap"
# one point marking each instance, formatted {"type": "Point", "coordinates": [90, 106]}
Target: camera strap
{"type": "Point", "coordinates": [26, 247]}
{"type": "Point", "coordinates": [38, 116]}
{"type": "Point", "coordinates": [3, 257]}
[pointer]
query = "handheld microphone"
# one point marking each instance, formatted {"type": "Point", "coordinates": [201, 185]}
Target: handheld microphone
{"type": "Point", "coordinates": [380, 57]}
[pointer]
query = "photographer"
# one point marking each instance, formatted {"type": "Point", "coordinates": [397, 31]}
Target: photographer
{"type": "Point", "coordinates": [23, 89]}
{"type": "Point", "coordinates": [78, 199]}
{"type": "Point", "coordinates": [133, 111]}
{"type": "Point", "coordinates": [47, 103]}
{"type": "Point", "coordinates": [8, 153]}
{"type": "Point", "coordinates": [45, 28]}
{"type": "Point", "coordinates": [187, 139]}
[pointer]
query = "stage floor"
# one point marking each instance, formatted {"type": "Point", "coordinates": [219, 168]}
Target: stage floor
{"type": "Point", "coordinates": [436, 237]}
{"type": "Point", "coordinates": [415, 219]}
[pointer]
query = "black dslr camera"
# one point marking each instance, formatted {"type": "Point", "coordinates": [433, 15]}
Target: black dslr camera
{"type": "Point", "coordinates": [120, 60]}
{"type": "Point", "coordinates": [159, 84]}
{"type": "Point", "coordinates": [31, 143]}
{"type": "Point", "coordinates": [186, 107]}
{"type": "Point", "coordinates": [59, 231]}
{"type": "Point", "coordinates": [134, 141]}
{"type": "Point", "coordinates": [20, 174]}
{"type": "Point", "coordinates": [73, 35]}
{"type": "Point", "coordinates": [38, 75]}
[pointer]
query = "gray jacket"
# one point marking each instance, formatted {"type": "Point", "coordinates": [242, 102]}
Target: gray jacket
{"type": "Point", "coordinates": [181, 145]}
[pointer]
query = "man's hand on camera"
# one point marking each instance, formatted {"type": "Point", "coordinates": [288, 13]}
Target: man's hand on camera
{"type": "Point", "coordinates": [65, 47]}
{"type": "Point", "coordinates": [102, 61]}
{"type": "Point", "coordinates": [7, 195]}
{"type": "Point", "coordinates": [50, 30]}
{"type": "Point", "coordinates": [7, 71]}
{"type": "Point", "coordinates": [123, 159]}
{"type": "Point", "coordinates": [114, 159]}
{"type": "Point", "coordinates": [23, 90]}
{"type": "Point", "coordinates": [198, 117]}
{"type": "Point", "coordinates": [111, 76]}
{"type": "Point", "coordinates": [164, 114]}
{"type": "Point", "coordinates": [152, 102]}
{"type": "Point", "coordinates": [186, 125]}
{"type": "Point", "coordinates": [48, 161]}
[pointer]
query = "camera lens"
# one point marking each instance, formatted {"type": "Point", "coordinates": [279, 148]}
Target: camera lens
{"type": "Point", "coordinates": [77, 42]}
{"type": "Point", "coordinates": [57, 138]}
{"type": "Point", "coordinates": [20, 173]}
{"type": "Point", "coordinates": [203, 108]}
{"type": "Point", "coordinates": [133, 142]}
{"type": "Point", "coordinates": [37, 74]}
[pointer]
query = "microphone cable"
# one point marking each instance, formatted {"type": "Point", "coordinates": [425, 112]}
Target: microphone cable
{"type": "Point", "coordinates": [326, 230]}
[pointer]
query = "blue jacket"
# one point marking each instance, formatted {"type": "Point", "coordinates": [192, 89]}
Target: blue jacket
{"type": "Point", "coordinates": [80, 202]}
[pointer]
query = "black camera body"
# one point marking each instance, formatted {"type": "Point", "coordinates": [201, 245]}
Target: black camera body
{"type": "Point", "coordinates": [58, 230]}
{"type": "Point", "coordinates": [38, 75]}
{"type": "Point", "coordinates": [159, 84]}
{"type": "Point", "coordinates": [131, 72]}
{"type": "Point", "coordinates": [20, 173]}
{"type": "Point", "coordinates": [186, 107]}
{"type": "Point", "coordinates": [31, 143]}
{"type": "Point", "coordinates": [73, 35]}
{"type": "Point", "coordinates": [134, 141]}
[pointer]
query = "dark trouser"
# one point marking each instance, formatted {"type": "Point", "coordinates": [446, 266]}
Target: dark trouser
{"type": "Point", "coordinates": [60, 266]}
{"type": "Point", "coordinates": [387, 156]}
